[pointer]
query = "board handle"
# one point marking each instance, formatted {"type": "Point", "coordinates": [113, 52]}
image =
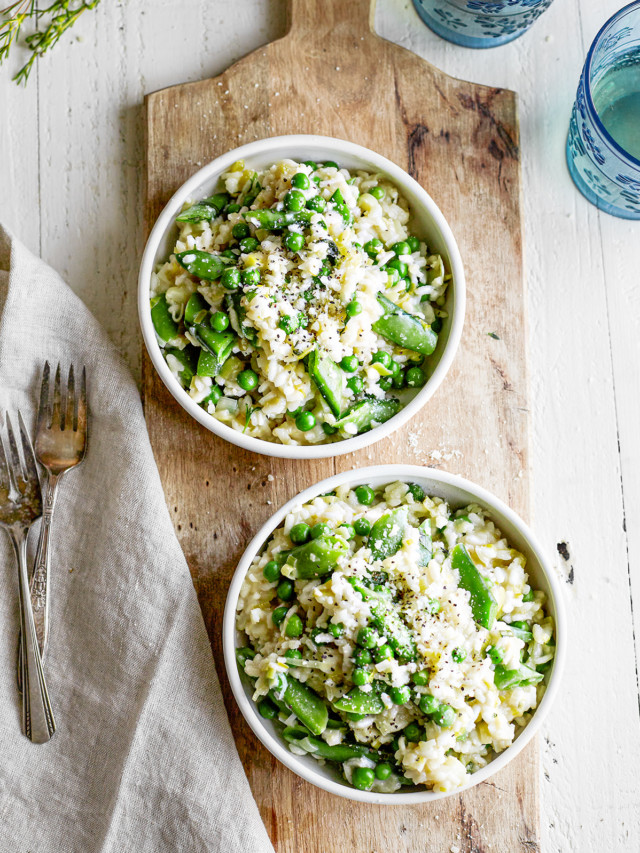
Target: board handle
{"type": "Point", "coordinates": [304, 16]}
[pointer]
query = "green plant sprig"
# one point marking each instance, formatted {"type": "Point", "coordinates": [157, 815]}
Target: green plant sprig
{"type": "Point", "coordinates": [57, 19]}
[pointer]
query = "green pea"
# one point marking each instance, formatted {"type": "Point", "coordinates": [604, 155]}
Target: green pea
{"type": "Point", "coordinates": [400, 695]}
{"type": "Point", "coordinates": [362, 657]}
{"type": "Point", "coordinates": [528, 596]}
{"type": "Point", "coordinates": [495, 655]}
{"type": "Point", "coordinates": [421, 678]}
{"type": "Point", "coordinates": [214, 395]}
{"type": "Point", "coordinates": [294, 200]}
{"type": "Point", "coordinates": [428, 704]}
{"type": "Point", "coordinates": [444, 716]}
{"type": "Point", "coordinates": [300, 181]}
{"type": "Point", "coordinates": [365, 495]}
{"type": "Point", "coordinates": [362, 778]}
{"type": "Point", "coordinates": [353, 308]}
{"type": "Point", "coordinates": [373, 247]}
{"type": "Point", "coordinates": [383, 771]}
{"type": "Point", "coordinates": [384, 652]}
{"type": "Point", "coordinates": [293, 654]}
{"type": "Point", "coordinates": [229, 253]}
{"type": "Point", "coordinates": [367, 638]}
{"type": "Point", "coordinates": [437, 325]}
{"type": "Point", "coordinates": [294, 241]}
{"type": "Point", "coordinates": [232, 208]}
{"type": "Point", "coordinates": [330, 164]}
{"type": "Point", "coordinates": [311, 164]}
{"type": "Point", "coordinates": [287, 324]}
{"type": "Point", "coordinates": [305, 421]}
{"type": "Point", "coordinates": [350, 363]}
{"type": "Point", "coordinates": [401, 248]}
{"type": "Point", "coordinates": [416, 492]}
{"type": "Point", "coordinates": [347, 531]}
{"type": "Point", "coordinates": [414, 244]}
{"type": "Point", "coordinates": [271, 571]}
{"type": "Point", "coordinates": [336, 629]}
{"type": "Point", "coordinates": [318, 204]}
{"type": "Point", "coordinates": [398, 380]}
{"type": "Point", "coordinates": [458, 655]}
{"type": "Point", "coordinates": [362, 526]}
{"type": "Point", "coordinates": [360, 677]}
{"type": "Point", "coordinates": [300, 533]}
{"type": "Point", "coordinates": [219, 321]}
{"type": "Point", "coordinates": [285, 589]}
{"type": "Point", "coordinates": [377, 192]}
{"type": "Point", "coordinates": [320, 529]}
{"type": "Point", "coordinates": [231, 278]}
{"type": "Point", "coordinates": [294, 626]}
{"type": "Point", "coordinates": [399, 266]}
{"type": "Point", "coordinates": [416, 377]}
{"type": "Point", "coordinates": [317, 632]}
{"type": "Point", "coordinates": [381, 357]}
{"type": "Point", "coordinates": [249, 244]}
{"type": "Point", "coordinates": [251, 276]}
{"type": "Point", "coordinates": [278, 615]}
{"type": "Point", "coordinates": [413, 732]}
{"type": "Point", "coordinates": [248, 380]}
{"type": "Point", "coordinates": [328, 429]}
{"type": "Point", "coordinates": [386, 383]}
{"type": "Point", "coordinates": [243, 655]}
{"type": "Point", "coordinates": [356, 384]}
{"type": "Point", "coordinates": [241, 230]}
{"type": "Point", "coordinates": [267, 709]}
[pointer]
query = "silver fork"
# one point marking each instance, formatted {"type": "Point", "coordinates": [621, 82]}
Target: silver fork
{"type": "Point", "coordinates": [61, 444]}
{"type": "Point", "coordinates": [20, 506]}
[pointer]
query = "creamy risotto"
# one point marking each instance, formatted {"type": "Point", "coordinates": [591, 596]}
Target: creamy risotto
{"type": "Point", "coordinates": [297, 305]}
{"type": "Point", "coordinates": [394, 637]}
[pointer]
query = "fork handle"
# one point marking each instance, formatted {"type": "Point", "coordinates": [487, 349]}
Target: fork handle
{"type": "Point", "coordinates": [38, 723]}
{"type": "Point", "coordinates": [40, 579]}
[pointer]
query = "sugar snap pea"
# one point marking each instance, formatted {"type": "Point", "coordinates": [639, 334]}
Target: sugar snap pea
{"type": "Point", "coordinates": [204, 211]}
{"type": "Point", "coordinates": [357, 701]}
{"type": "Point", "coordinates": [196, 304]}
{"type": "Point", "coordinates": [425, 544]}
{"type": "Point", "coordinates": [203, 265]}
{"type": "Point", "coordinates": [218, 344]}
{"type": "Point", "coordinates": [318, 557]}
{"type": "Point", "coordinates": [521, 630]}
{"type": "Point", "coordinates": [369, 413]}
{"type": "Point", "coordinates": [316, 746]}
{"type": "Point", "coordinates": [275, 219]}
{"type": "Point", "coordinates": [237, 316]}
{"type": "Point", "coordinates": [483, 605]}
{"type": "Point", "coordinates": [507, 679]}
{"type": "Point", "coordinates": [308, 707]}
{"type": "Point", "coordinates": [404, 329]}
{"type": "Point", "coordinates": [387, 533]}
{"type": "Point", "coordinates": [328, 378]}
{"type": "Point", "coordinates": [164, 324]}
{"type": "Point", "coordinates": [188, 359]}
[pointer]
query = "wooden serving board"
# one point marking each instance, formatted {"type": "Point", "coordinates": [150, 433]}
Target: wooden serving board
{"type": "Point", "coordinates": [332, 75]}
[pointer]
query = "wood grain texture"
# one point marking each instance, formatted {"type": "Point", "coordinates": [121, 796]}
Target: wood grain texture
{"type": "Point", "coordinates": [332, 75]}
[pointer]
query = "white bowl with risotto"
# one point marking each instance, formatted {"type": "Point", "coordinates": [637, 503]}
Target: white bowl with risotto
{"type": "Point", "coordinates": [301, 296]}
{"type": "Point", "coordinates": [394, 634]}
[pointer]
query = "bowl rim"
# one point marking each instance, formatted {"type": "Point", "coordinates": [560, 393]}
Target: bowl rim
{"type": "Point", "coordinates": [166, 220]}
{"type": "Point", "coordinates": [407, 473]}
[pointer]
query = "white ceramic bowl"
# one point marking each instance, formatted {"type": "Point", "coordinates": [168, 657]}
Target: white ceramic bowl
{"type": "Point", "coordinates": [428, 223]}
{"type": "Point", "coordinates": [458, 492]}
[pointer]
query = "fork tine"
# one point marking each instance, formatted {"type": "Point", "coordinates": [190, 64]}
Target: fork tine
{"type": "Point", "coordinates": [5, 480]}
{"type": "Point", "coordinates": [44, 409]}
{"type": "Point", "coordinates": [55, 415]}
{"type": "Point", "coordinates": [71, 419]}
{"type": "Point", "coordinates": [15, 465]}
{"type": "Point", "coordinates": [27, 452]}
{"type": "Point", "coordinates": [82, 404]}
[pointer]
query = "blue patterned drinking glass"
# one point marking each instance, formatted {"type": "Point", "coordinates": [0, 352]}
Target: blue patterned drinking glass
{"type": "Point", "coordinates": [603, 146]}
{"type": "Point", "coordinates": [480, 23]}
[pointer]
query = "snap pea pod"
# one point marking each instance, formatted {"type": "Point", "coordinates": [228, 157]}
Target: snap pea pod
{"type": "Point", "coordinates": [318, 557]}
{"type": "Point", "coordinates": [316, 746]}
{"type": "Point", "coordinates": [425, 544]}
{"type": "Point", "coordinates": [188, 359]}
{"type": "Point", "coordinates": [164, 324]}
{"type": "Point", "coordinates": [274, 219]}
{"type": "Point", "coordinates": [507, 679]}
{"type": "Point", "coordinates": [237, 315]}
{"type": "Point", "coordinates": [203, 265]}
{"type": "Point", "coordinates": [252, 193]}
{"type": "Point", "coordinates": [205, 210]}
{"type": "Point", "coordinates": [308, 707]}
{"type": "Point", "coordinates": [483, 605]}
{"type": "Point", "coordinates": [404, 329]}
{"type": "Point", "coordinates": [218, 344]}
{"type": "Point", "coordinates": [357, 701]}
{"type": "Point", "coordinates": [387, 534]}
{"type": "Point", "coordinates": [519, 630]}
{"type": "Point", "coordinates": [243, 655]}
{"type": "Point", "coordinates": [329, 380]}
{"type": "Point", "coordinates": [207, 364]}
{"type": "Point", "coordinates": [194, 306]}
{"type": "Point", "coordinates": [369, 413]}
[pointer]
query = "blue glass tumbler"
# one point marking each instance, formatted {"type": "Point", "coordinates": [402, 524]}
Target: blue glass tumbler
{"type": "Point", "coordinates": [603, 145]}
{"type": "Point", "coordinates": [480, 23]}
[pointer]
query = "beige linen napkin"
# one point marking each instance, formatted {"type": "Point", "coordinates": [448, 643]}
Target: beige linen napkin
{"type": "Point", "coordinates": [143, 758]}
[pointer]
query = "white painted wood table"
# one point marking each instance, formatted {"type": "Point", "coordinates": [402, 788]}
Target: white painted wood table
{"type": "Point", "coordinates": [71, 177]}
